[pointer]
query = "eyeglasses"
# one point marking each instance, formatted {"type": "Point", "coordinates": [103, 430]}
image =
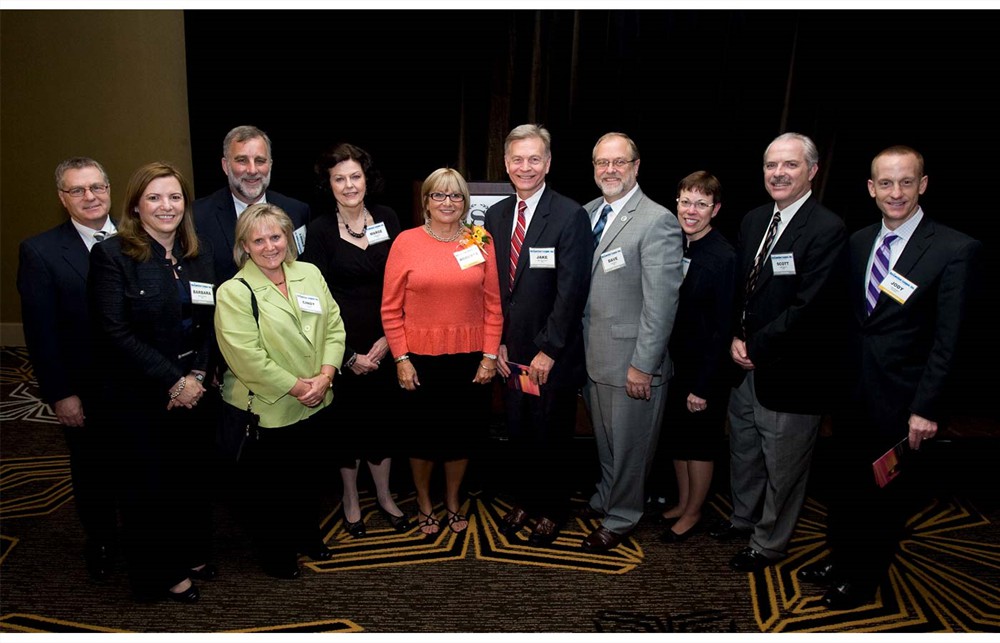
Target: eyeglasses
{"type": "Point", "coordinates": [454, 197]}
{"type": "Point", "coordinates": [77, 192]}
{"type": "Point", "coordinates": [602, 164]}
{"type": "Point", "coordinates": [701, 206]}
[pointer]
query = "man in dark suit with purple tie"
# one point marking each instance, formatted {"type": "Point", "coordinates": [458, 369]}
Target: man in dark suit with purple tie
{"type": "Point", "coordinates": [909, 281]}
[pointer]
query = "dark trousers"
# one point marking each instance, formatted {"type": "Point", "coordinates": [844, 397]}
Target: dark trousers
{"type": "Point", "coordinates": [93, 482]}
{"type": "Point", "coordinates": [541, 431]}
{"type": "Point", "coordinates": [280, 486]}
{"type": "Point", "coordinates": [866, 522]}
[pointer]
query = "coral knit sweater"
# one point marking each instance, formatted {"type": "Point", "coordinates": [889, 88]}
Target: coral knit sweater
{"type": "Point", "coordinates": [430, 306]}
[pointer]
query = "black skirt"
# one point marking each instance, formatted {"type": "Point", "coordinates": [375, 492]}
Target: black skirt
{"type": "Point", "coordinates": [446, 418]}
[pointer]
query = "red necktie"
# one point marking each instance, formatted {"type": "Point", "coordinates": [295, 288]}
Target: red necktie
{"type": "Point", "coordinates": [516, 240]}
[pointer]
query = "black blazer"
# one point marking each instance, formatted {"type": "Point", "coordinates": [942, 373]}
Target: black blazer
{"type": "Point", "coordinates": [789, 323]}
{"type": "Point", "coordinates": [905, 352]}
{"type": "Point", "coordinates": [544, 311]}
{"type": "Point", "coordinates": [215, 219]}
{"type": "Point", "coordinates": [136, 312]}
{"type": "Point", "coordinates": [52, 279]}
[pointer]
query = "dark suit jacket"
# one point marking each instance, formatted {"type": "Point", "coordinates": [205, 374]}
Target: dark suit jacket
{"type": "Point", "coordinates": [905, 352]}
{"type": "Point", "coordinates": [52, 279]}
{"type": "Point", "coordinates": [789, 323]}
{"type": "Point", "coordinates": [215, 219]}
{"type": "Point", "coordinates": [137, 316]}
{"type": "Point", "coordinates": [544, 311]}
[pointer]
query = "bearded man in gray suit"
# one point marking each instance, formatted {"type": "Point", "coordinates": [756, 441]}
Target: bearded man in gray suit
{"type": "Point", "coordinates": [635, 278]}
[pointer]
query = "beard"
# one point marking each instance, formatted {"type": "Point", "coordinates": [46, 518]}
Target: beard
{"type": "Point", "coordinates": [249, 193]}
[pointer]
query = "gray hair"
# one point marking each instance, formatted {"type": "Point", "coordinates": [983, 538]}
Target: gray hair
{"type": "Point", "coordinates": [632, 147]}
{"type": "Point", "coordinates": [808, 147]}
{"type": "Point", "coordinates": [78, 163]}
{"type": "Point", "coordinates": [528, 130]}
{"type": "Point", "coordinates": [244, 133]}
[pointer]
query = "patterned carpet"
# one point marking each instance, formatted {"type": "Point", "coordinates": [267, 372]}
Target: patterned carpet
{"type": "Point", "coordinates": [945, 579]}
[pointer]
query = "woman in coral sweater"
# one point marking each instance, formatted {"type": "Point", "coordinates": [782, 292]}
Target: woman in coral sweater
{"type": "Point", "coordinates": [442, 319]}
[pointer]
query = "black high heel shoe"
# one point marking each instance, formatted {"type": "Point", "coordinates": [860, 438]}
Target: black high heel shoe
{"type": "Point", "coordinates": [207, 572]}
{"type": "Point", "coordinates": [355, 529]}
{"type": "Point", "coordinates": [188, 596]}
{"type": "Point", "coordinates": [402, 523]}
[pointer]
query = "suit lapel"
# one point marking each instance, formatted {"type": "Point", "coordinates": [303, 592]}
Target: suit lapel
{"type": "Point", "coordinates": [915, 248]}
{"type": "Point", "coordinates": [615, 225]}
{"type": "Point", "coordinates": [225, 217]}
{"type": "Point", "coordinates": [74, 250]}
{"type": "Point", "coordinates": [859, 270]}
{"type": "Point", "coordinates": [538, 222]}
{"type": "Point", "coordinates": [785, 242]}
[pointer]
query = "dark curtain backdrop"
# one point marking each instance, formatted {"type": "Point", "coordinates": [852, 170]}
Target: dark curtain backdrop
{"type": "Point", "coordinates": [695, 89]}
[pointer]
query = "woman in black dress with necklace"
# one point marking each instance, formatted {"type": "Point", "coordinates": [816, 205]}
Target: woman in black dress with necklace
{"type": "Point", "coordinates": [350, 244]}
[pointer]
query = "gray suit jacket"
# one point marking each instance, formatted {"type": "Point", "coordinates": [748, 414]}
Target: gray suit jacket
{"type": "Point", "coordinates": [630, 311]}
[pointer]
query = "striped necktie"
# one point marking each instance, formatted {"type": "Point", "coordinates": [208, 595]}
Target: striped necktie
{"type": "Point", "coordinates": [880, 268]}
{"type": "Point", "coordinates": [516, 240]}
{"type": "Point", "coordinates": [599, 226]}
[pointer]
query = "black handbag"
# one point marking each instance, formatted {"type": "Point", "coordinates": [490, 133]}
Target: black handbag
{"type": "Point", "coordinates": [237, 426]}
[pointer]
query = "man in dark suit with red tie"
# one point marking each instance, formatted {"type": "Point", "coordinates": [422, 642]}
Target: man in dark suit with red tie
{"type": "Point", "coordinates": [542, 241]}
{"type": "Point", "coordinates": [246, 161]}
{"type": "Point", "coordinates": [908, 287]}
{"type": "Point", "coordinates": [52, 280]}
{"type": "Point", "coordinates": [787, 253]}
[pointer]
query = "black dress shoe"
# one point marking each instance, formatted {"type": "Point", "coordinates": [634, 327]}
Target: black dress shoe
{"type": "Point", "coordinates": [822, 572]}
{"type": "Point", "coordinates": [319, 551]}
{"type": "Point", "coordinates": [513, 521]}
{"type": "Point", "coordinates": [208, 572]}
{"type": "Point", "coordinates": [671, 536]}
{"type": "Point", "coordinates": [847, 596]}
{"type": "Point", "coordinates": [287, 569]}
{"type": "Point", "coordinates": [725, 530]}
{"type": "Point", "coordinates": [544, 532]}
{"type": "Point", "coordinates": [99, 562]}
{"type": "Point", "coordinates": [662, 521]}
{"type": "Point", "coordinates": [188, 596]}
{"type": "Point", "coordinates": [749, 560]}
{"type": "Point", "coordinates": [402, 523]}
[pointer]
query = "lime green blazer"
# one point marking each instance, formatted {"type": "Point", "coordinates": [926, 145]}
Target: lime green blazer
{"type": "Point", "coordinates": [290, 342]}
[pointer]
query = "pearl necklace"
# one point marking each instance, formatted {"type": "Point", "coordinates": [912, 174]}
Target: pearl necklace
{"type": "Point", "coordinates": [356, 235]}
{"type": "Point", "coordinates": [454, 237]}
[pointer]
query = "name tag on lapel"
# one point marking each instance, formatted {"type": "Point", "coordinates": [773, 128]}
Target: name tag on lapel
{"type": "Point", "coordinates": [613, 260]}
{"type": "Point", "coordinates": [783, 264]}
{"type": "Point", "coordinates": [201, 293]}
{"type": "Point", "coordinates": [308, 303]}
{"type": "Point", "coordinates": [897, 286]}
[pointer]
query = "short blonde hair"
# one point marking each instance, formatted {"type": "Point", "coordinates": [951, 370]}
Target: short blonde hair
{"type": "Point", "coordinates": [440, 179]}
{"type": "Point", "coordinates": [257, 215]}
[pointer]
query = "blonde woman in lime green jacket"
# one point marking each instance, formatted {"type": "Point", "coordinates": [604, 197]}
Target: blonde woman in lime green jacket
{"type": "Point", "coordinates": [288, 357]}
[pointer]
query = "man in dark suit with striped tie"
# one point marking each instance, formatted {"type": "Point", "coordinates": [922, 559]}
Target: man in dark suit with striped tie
{"type": "Point", "coordinates": [542, 241]}
{"type": "Point", "coordinates": [787, 252]}
{"type": "Point", "coordinates": [52, 280]}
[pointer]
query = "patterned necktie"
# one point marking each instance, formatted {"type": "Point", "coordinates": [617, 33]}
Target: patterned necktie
{"type": "Point", "coordinates": [599, 227]}
{"type": "Point", "coordinates": [516, 240]}
{"type": "Point", "coordinates": [765, 250]}
{"type": "Point", "coordinates": [100, 235]}
{"type": "Point", "coordinates": [880, 268]}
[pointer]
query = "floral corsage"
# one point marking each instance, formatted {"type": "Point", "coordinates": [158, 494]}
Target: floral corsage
{"type": "Point", "coordinates": [475, 235]}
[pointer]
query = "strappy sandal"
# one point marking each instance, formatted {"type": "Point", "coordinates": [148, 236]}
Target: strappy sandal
{"type": "Point", "coordinates": [429, 523]}
{"type": "Point", "coordinates": [455, 517]}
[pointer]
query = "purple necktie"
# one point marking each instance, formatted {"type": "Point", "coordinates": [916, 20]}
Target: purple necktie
{"type": "Point", "coordinates": [880, 268]}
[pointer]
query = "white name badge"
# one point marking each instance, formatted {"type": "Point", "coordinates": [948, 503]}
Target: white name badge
{"type": "Point", "coordinates": [469, 257]}
{"type": "Point", "coordinates": [897, 286]}
{"type": "Point", "coordinates": [377, 233]}
{"type": "Point", "coordinates": [613, 260]}
{"type": "Point", "coordinates": [783, 264]}
{"type": "Point", "coordinates": [542, 257]}
{"type": "Point", "coordinates": [201, 293]}
{"type": "Point", "coordinates": [685, 264]}
{"type": "Point", "coordinates": [308, 303]}
{"type": "Point", "coordinates": [300, 239]}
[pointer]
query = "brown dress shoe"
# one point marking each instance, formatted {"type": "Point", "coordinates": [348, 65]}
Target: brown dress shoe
{"type": "Point", "coordinates": [587, 513]}
{"type": "Point", "coordinates": [544, 533]}
{"type": "Point", "coordinates": [601, 539]}
{"type": "Point", "coordinates": [513, 521]}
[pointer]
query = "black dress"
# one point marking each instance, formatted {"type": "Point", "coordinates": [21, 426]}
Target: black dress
{"type": "Point", "coordinates": [364, 406]}
{"type": "Point", "coordinates": [699, 347]}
